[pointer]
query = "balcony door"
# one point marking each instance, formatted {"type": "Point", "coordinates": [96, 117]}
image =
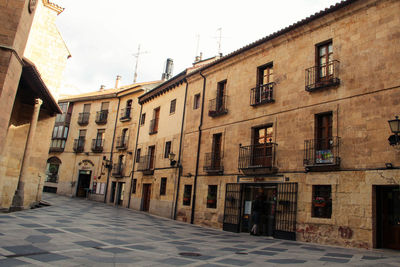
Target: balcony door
{"type": "Point", "coordinates": [262, 147]}
{"type": "Point", "coordinates": [216, 151]}
{"type": "Point", "coordinates": [324, 61]}
{"type": "Point", "coordinates": [220, 96]}
{"type": "Point", "coordinates": [151, 155]}
{"type": "Point", "coordinates": [99, 138]}
{"type": "Point", "coordinates": [323, 136]}
{"type": "Point", "coordinates": [156, 117]}
{"type": "Point", "coordinates": [265, 76]}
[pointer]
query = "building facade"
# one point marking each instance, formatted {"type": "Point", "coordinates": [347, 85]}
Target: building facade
{"type": "Point", "coordinates": [298, 122]}
{"type": "Point", "coordinates": [92, 144]}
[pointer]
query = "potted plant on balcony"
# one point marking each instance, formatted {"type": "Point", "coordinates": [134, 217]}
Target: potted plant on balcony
{"type": "Point", "coordinates": [319, 202]}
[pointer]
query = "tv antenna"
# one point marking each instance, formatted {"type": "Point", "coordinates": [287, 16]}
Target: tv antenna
{"type": "Point", "coordinates": [219, 40]}
{"type": "Point", "coordinates": [136, 55]}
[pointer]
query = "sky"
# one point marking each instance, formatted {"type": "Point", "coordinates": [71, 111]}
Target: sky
{"type": "Point", "coordinates": [103, 36]}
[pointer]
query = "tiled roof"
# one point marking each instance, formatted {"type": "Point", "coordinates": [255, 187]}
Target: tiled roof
{"type": "Point", "coordinates": [106, 93]}
{"type": "Point", "coordinates": [298, 24]}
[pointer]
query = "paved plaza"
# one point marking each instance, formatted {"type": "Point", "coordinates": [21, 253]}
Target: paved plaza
{"type": "Point", "coordinates": [78, 232]}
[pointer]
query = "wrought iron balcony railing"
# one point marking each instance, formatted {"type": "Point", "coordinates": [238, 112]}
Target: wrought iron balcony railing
{"type": "Point", "coordinates": [57, 145]}
{"type": "Point", "coordinates": [322, 152]}
{"type": "Point", "coordinates": [97, 145]}
{"type": "Point", "coordinates": [101, 117]}
{"type": "Point", "coordinates": [79, 145]}
{"type": "Point", "coordinates": [319, 77]}
{"type": "Point", "coordinates": [217, 106]}
{"type": "Point", "coordinates": [122, 142]}
{"type": "Point", "coordinates": [262, 94]}
{"type": "Point", "coordinates": [153, 129]}
{"type": "Point", "coordinates": [146, 164]}
{"type": "Point", "coordinates": [83, 118]}
{"type": "Point", "coordinates": [52, 177]}
{"type": "Point", "coordinates": [259, 156]}
{"type": "Point", "coordinates": [125, 114]}
{"type": "Point", "coordinates": [64, 118]}
{"type": "Point", "coordinates": [118, 170]}
{"type": "Point", "coordinates": [213, 163]}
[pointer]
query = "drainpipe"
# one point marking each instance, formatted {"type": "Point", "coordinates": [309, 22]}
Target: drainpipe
{"type": "Point", "coordinates": [198, 150]}
{"type": "Point", "coordinates": [134, 157]}
{"type": "Point", "coordinates": [180, 151]}
{"type": "Point", "coordinates": [111, 152]}
{"type": "Point", "coordinates": [18, 200]}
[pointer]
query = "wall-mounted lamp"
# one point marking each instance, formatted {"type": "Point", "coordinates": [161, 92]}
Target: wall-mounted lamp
{"type": "Point", "coordinates": [107, 163]}
{"type": "Point", "coordinates": [395, 128]}
{"type": "Point", "coordinates": [171, 157]}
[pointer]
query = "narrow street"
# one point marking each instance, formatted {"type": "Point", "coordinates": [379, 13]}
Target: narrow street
{"type": "Point", "coordinates": [78, 232]}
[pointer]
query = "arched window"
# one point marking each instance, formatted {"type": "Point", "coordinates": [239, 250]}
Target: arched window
{"type": "Point", "coordinates": [53, 165]}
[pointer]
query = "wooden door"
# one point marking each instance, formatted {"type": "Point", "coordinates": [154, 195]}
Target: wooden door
{"type": "Point", "coordinates": [390, 212]}
{"type": "Point", "coordinates": [216, 151]}
{"type": "Point", "coordinates": [324, 62]}
{"type": "Point", "coordinates": [146, 197]}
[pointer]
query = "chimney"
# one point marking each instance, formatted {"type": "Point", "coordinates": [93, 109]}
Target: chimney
{"type": "Point", "coordinates": [117, 81]}
{"type": "Point", "coordinates": [102, 87]}
{"type": "Point", "coordinates": [201, 56]}
{"type": "Point", "coordinates": [168, 69]}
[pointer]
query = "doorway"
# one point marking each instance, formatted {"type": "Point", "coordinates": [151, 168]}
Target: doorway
{"type": "Point", "coordinates": [146, 197]}
{"type": "Point", "coordinates": [83, 183]}
{"type": "Point", "coordinates": [259, 209]}
{"type": "Point", "coordinates": [388, 216]}
{"type": "Point", "coordinates": [120, 193]}
{"type": "Point", "coordinates": [112, 195]}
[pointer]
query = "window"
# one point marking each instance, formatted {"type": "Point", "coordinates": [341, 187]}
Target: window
{"type": "Point", "coordinates": [167, 149]}
{"type": "Point", "coordinates": [187, 195]}
{"type": "Point", "coordinates": [82, 134]}
{"type": "Point", "coordinates": [323, 136]}
{"type": "Point", "coordinates": [324, 59]}
{"type": "Point", "coordinates": [86, 108]}
{"type": "Point", "coordinates": [138, 155]}
{"type": "Point", "coordinates": [265, 74]}
{"type": "Point", "coordinates": [212, 196]}
{"type": "Point", "coordinates": [221, 91]}
{"type": "Point", "coordinates": [216, 152]}
{"type": "Point", "coordinates": [104, 105]}
{"type": "Point", "coordinates": [154, 122]}
{"type": "Point", "coordinates": [163, 186]}
{"type": "Point", "coordinates": [172, 106]}
{"type": "Point", "coordinates": [263, 92]}
{"type": "Point", "coordinates": [196, 101]}
{"type": "Point", "coordinates": [321, 201]}
{"type": "Point", "coordinates": [262, 147]}
{"type": "Point", "coordinates": [134, 182]}
{"type": "Point", "coordinates": [143, 119]}
{"type": "Point", "coordinates": [151, 154]}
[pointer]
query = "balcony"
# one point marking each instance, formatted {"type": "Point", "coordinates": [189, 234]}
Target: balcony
{"type": "Point", "coordinates": [51, 177]}
{"type": "Point", "coordinates": [79, 145]}
{"type": "Point", "coordinates": [97, 145]}
{"type": "Point", "coordinates": [146, 164]}
{"type": "Point", "coordinates": [320, 154]}
{"type": "Point", "coordinates": [153, 129]}
{"type": "Point", "coordinates": [217, 106]}
{"type": "Point", "coordinates": [262, 94]}
{"type": "Point", "coordinates": [101, 117]}
{"type": "Point", "coordinates": [122, 142]}
{"type": "Point", "coordinates": [64, 118]}
{"type": "Point", "coordinates": [125, 114]}
{"type": "Point", "coordinates": [259, 158]}
{"type": "Point", "coordinates": [319, 77]}
{"type": "Point", "coordinates": [118, 170]}
{"type": "Point", "coordinates": [83, 118]}
{"type": "Point", "coordinates": [57, 145]}
{"type": "Point", "coordinates": [213, 163]}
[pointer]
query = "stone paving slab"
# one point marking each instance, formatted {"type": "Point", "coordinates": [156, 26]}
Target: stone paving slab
{"type": "Point", "coordinates": [78, 232]}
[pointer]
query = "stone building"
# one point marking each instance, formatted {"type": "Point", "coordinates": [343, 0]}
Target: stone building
{"type": "Point", "coordinates": [26, 102]}
{"type": "Point", "coordinates": [298, 121]}
{"type": "Point", "coordinates": [91, 150]}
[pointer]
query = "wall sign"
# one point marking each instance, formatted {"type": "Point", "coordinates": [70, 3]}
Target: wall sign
{"type": "Point", "coordinates": [264, 179]}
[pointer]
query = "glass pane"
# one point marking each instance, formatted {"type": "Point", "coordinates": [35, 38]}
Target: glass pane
{"type": "Point", "coordinates": [60, 130]}
{"type": "Point", "coordinates": [330, 48]}
{"type": "Point", "coordinates": [270, 130]}
{"type": "Point", "coordinates": [55, 132]}
{"type": "Point", "coordinates": [66, 132]}
{"type": "Point", "coordinates": [322, 51]}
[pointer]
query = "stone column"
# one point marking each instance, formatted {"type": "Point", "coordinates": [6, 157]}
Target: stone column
{"type": "Point", "coordinates": [18, 200]}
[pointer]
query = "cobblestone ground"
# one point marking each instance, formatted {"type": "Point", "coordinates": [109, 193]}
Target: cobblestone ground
{"type": "Point", "coordinates": [77, 232]}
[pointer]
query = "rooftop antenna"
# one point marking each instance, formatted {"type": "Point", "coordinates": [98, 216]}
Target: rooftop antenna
{"type": "Point", "coordinates": [219, 40]}
{"type": "Point", "coordinates": [198, 44]}
{"type": "Point", "coordinates": [136, 55]}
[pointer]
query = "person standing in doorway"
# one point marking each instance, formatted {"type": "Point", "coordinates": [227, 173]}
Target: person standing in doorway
{"type": "Point", "coordinates": [257, 208]}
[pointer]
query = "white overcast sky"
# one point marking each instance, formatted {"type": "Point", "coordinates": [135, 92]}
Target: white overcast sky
{"type": "Point", "coordinates": [103, 35]}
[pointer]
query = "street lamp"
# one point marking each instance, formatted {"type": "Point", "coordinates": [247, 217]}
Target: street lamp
{"type": "Point", "coordinates": [395, 128]}
{"type": "Point", "coordinates": [171, 157]}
